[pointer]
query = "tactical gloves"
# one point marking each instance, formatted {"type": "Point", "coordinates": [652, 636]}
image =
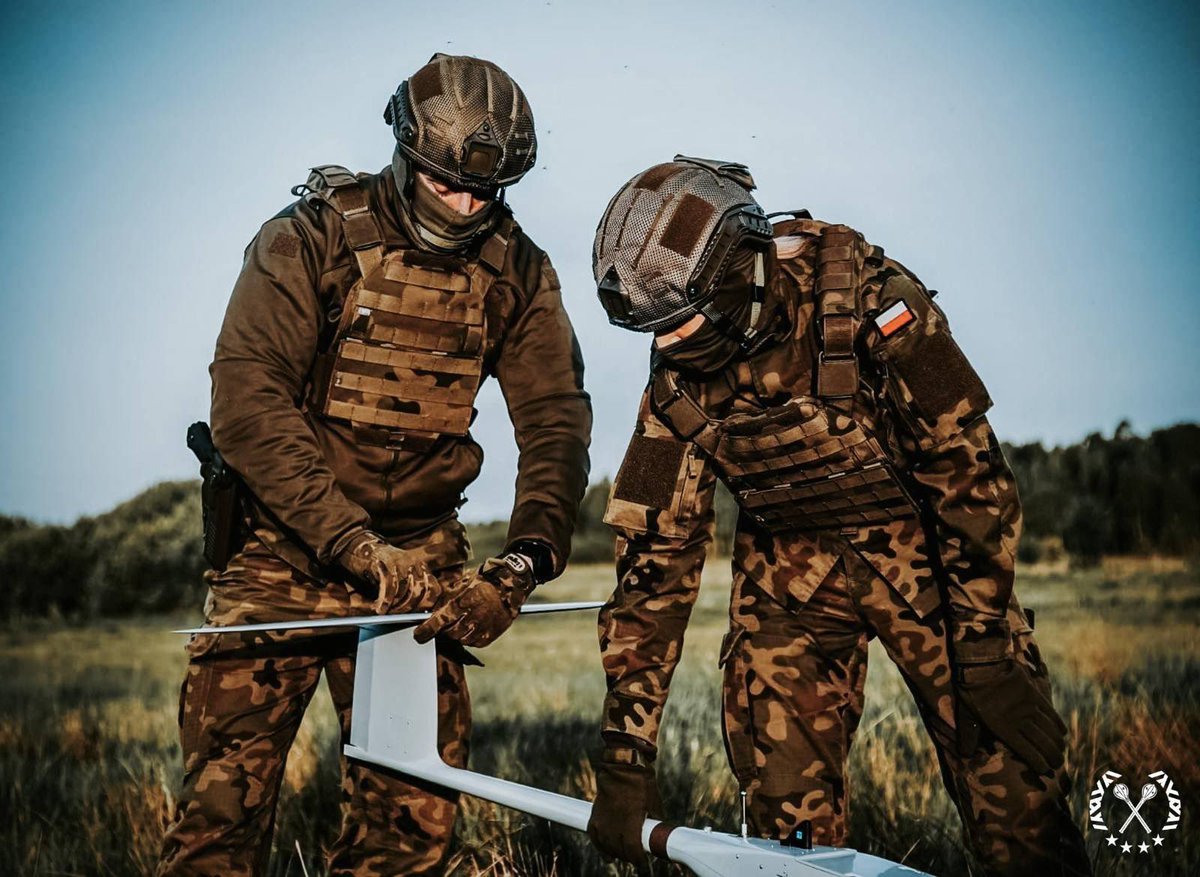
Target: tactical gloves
{"type": "Point", "coordinates": [392, 577]}
{"type": "Point", "coordinates": [626, 795]}
{"type": "Point", "coordinates": [1002, 697]}
{"type": "Point", "coordinates": [485, 605]}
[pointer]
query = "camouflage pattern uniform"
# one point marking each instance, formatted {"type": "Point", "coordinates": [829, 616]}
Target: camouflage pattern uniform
{"type": "Point", "coordinates": [315, 487]}
{"type": "Point", "coordinates": [804, 604]}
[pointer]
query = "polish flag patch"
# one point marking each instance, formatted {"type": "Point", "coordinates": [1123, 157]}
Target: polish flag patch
{"type": "Point", "coordinates": [894, 319]}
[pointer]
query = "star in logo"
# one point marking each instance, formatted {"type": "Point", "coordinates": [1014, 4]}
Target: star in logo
{"type": "Point", "coordinates": [1143, 848]}
{"type": "Point", "coordinates": [1158, 840]}
{"type": "Point", "coordinates": [1112, 840]}
{"type": "Point", "coordinates": [1126, 847]}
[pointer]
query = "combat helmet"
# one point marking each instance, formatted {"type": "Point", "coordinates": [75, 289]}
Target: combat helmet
{"type": "Point", "coordinates": [465, 121]}
{"type": "Point", "coordinates": [665, 240]}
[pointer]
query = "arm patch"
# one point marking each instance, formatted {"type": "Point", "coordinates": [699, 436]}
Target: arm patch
{"type": "Point", "coordinates": [650, 472]}
{"type": "Point", "coordinates": [656, 490]}
{"type": "Point", "coordinates": [940, 378]}
{"type": "Point", "coordinates": [930, 383]}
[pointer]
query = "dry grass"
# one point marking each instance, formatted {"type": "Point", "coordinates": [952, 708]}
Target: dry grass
{"type": "Point", "coordinates": [89, 759]}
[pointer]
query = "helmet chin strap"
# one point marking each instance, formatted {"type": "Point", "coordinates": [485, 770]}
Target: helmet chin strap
{"type": "Point", "coordinates": [751, 338]}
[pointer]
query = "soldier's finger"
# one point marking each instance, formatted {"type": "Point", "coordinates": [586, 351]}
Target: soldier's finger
{"type": "Point", "coordinates": [433, 625]}
{"type": "Point", "coordinates": [465, 631]}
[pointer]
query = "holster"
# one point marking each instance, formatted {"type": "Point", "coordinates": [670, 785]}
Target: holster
{"type": "Point", "coordinates": [221, 492]}
{"type": "Point", "coordinates": [221, 505]}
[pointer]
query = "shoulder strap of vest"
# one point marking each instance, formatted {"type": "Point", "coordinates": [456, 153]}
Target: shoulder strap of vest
{"type": "Point", "coordinates": [840, 253]}
{"type": "Point", "coordinates": [676, 407]}
{"type": "Point", "coordinates": [343, 190]}
{"type": "Point", "coordinates": [494, 250]}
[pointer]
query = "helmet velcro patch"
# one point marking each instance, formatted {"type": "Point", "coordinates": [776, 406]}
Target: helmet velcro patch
{"type": "Point", "coordinates": [655, 177]}
{"type": "Point", "coordinates": [687, 225]}
{"type": "Point", "coordinates": [426, 83]}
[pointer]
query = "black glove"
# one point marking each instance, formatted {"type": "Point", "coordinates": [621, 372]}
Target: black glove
{"type": "Point", "coordinates": [1003, 698]}
{"type": "Point", "coordinates": [485, 606]}
{"type": "Point", "coordinates": [626, 795]}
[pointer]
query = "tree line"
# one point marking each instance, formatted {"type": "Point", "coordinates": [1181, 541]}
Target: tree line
{"type": "Point", "coordinates": [1124, 494]}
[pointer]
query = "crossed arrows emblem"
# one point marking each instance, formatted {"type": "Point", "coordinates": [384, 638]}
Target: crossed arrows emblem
{"type": "Point", "coordinates": [1149, 790]}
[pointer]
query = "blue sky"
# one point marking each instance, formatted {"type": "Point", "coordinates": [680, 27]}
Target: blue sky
{"type": "Point", "coordinates": [1035, 162]}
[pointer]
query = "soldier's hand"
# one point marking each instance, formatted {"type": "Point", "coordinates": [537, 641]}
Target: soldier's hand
{"type": "Point", "coordinates": [392, 577]}
{"type": "Point", "coordinates": [1003, 698]}
{"type": "Point", "coordinates": [486, 604]}
{"type": "Point", "coordinates": [626, 795]}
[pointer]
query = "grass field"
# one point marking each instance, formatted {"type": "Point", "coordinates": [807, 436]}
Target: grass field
{"type": "Point", "coordinates": [89, 760]}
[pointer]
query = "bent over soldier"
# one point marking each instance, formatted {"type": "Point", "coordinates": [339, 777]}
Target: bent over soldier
{"type": "Point", "coordinates": [366, 315]}
{"type": "Point", "coordinates": [820, 382]}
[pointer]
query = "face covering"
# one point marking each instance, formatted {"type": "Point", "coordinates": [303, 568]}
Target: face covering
{"type": "Point", "coordinates": [425, 214]}
{"type": "Point", "coordinates": [442, 225]}
{"type": "Point", "coordinates": [707, 351]}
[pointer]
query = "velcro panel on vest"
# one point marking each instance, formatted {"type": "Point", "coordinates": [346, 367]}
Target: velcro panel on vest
{"type": "Point", "coordinates": [839, 259]}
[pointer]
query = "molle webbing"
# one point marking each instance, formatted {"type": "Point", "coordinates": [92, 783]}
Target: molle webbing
{"type": "Point", "coordinates": [799, 466]}
{"type": "Point", "coordinates": [840, 253]}
{"type": "Point", "coordinates": [407, 359]}
{"type": "Point", "coordinates": [802, 467]}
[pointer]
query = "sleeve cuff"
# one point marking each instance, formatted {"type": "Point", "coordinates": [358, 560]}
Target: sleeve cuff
{"type": "Point", "coordinates": [981, 642]}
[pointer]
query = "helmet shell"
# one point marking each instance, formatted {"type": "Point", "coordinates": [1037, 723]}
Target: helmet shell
{"type": "Point", "coordinates": [666, 236]}
{"type": "Point", "coordinates": [465, 121]}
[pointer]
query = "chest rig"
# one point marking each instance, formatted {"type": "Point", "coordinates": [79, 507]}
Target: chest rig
{"type": "Point", "coordinates": [406, 360]}
{"type": "Point", "coordinates": [803, 465]}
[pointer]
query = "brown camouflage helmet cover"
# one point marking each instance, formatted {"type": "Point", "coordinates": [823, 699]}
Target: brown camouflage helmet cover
{"type": "Point", "coordinates": [666, 237]}
{"type": "Point", "coordinates": [466, 121]}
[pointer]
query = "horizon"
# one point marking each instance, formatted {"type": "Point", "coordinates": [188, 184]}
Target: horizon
{"type": "Point", "coordinates": [594, 482]}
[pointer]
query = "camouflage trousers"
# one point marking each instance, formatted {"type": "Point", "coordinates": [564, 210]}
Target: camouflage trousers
{"type": "Point", "coordinates": [241, 704]}
{"type": "Point", "coordinates": [793, 697]}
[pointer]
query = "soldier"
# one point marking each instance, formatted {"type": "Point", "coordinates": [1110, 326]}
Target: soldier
{"type": "Point", "coordinates": [819, 381]}
{"type": "Point", "coordinates": [366, 315]}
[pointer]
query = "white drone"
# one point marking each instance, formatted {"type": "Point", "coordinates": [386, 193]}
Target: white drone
{"type": "Point", "coordinates": [394, 724]}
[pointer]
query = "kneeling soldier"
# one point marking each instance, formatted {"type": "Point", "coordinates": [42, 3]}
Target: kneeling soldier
{"type": "Point", "coordinates": [819, 381]}
{"type": "Point", "coordinates": [364, 320]}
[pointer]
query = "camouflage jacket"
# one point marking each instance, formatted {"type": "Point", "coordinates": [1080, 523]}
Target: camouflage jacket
{"type": "Point", "coordinates": [314, 487]}
{"type": "Point", "coordinates": [917, 393]}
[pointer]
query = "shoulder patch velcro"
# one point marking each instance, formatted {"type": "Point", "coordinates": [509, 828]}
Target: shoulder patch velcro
{"type": "Point", "coordinates": [941, 379]}
{"type": "Point", "coordinates": [284, 244]}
